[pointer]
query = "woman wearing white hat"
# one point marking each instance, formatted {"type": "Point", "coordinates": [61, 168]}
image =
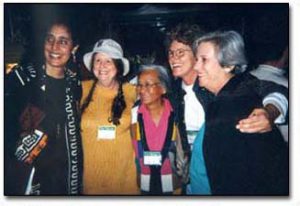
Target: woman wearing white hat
{"type": "Point", "coordinates": [109, 166]}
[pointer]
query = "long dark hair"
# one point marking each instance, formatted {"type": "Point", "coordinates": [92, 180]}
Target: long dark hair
{"type": "Point", "coordinates": [119, 103]}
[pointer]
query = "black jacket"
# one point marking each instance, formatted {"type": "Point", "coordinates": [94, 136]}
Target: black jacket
{"type": "Point", "coordinates": [177, 100]}
{"type": "Point", "coordinates": [240, 163]}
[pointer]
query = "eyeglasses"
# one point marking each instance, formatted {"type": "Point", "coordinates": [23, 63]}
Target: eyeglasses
{"type": "Point", "coordinates": [177, 53]}
{"type": "Point", "coordinates": [146, 86]}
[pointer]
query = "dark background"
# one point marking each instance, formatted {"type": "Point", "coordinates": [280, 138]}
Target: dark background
{"type": "Point", "coordinates": [141, 28]}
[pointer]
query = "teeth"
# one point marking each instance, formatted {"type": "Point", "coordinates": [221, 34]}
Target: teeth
{"type": "Point", "coordinates": [54, 55]}
{"type": "Point", "coordinates": [176, 65]}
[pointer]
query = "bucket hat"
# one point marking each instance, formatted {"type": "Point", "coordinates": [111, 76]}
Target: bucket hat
{"type": "Point", "coordinates": [110, 48]}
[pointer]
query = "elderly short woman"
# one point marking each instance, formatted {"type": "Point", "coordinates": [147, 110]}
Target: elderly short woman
{"type": "Point", "coordinates": [156, 136]}
{"type": "Point", "coordinates": [236, 163]}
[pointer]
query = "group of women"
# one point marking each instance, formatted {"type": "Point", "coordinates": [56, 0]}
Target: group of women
{"type": "Point", "coordinates": [155, 137]}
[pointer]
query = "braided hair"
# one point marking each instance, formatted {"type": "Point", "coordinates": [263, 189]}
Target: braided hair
{"type": "Point", "coordinates": [119, 104]}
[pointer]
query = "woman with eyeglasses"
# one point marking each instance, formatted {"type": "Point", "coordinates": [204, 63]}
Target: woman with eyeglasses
{"type": "Point", "coordinates": [191, 101]}
{"type": "Point", "coordinates": [109, 167]}
{"type": "Point", "coordinates": [50, 143]}
{"type": "Point", "coordinates": [162, 162]}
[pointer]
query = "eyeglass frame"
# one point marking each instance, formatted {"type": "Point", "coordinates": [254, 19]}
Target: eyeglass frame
{"type": "Point", "coordinates": [147, 86]}
{"type": "Point", "coordinates": [176, 53]}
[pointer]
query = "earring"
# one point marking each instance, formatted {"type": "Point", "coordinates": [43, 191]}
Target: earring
{"type": "Point", "coordinates": [74, 50]}
{"type": "Point", "coordinates": [228, 69]}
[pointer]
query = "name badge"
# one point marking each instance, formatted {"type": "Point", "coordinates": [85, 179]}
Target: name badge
{"type": "Point", "coordinates": [106, 132]}
{"type": "Point", "coordinates": [152, 158]}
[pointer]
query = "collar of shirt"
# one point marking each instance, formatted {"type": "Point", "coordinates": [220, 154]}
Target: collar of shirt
{"type": "Point", "coordinates": [156, 135]}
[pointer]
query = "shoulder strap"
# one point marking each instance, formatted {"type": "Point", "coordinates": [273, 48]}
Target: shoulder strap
{"type": "Point", "coordinates": [169, 135]}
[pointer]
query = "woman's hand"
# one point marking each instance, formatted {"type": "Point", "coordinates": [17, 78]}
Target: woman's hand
{"type": "Point", "coordinates": [257, 122]}
{"type": "Point", "coordinates": [182, 166]}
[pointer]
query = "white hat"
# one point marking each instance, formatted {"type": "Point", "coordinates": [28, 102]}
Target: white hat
{"type": "Point", "coordinates": [110, 48]}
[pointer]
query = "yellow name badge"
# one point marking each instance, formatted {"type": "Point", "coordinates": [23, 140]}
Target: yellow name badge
{"type": "Point", "coordinates": [106, 132]}
{"type": "Point", "coordinates": [152, 158]}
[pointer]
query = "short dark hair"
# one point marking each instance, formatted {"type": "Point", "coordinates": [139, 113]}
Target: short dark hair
{"type": "Point", "coordinates": [184, 33]}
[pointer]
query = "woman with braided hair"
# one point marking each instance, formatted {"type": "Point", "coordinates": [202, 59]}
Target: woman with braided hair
{"type": "Point", "coordinates": [109, 166]}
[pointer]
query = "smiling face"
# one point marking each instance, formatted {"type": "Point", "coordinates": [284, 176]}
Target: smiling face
{"type": "Point", "coordinates": [181, 60]}
{"type": "Point", "coordinates": [149, 88]}
{"type": "Point", "coordinates": [104, 69]}
{"type": "Point", "coordinates": [211, 74]}
{"type": "Point", "coordinates": [58, 47]}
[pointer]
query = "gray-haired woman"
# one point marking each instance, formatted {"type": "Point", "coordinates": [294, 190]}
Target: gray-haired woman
{"type": "Point", "coordinates": [155, 135]}
{"type": "Point", "coordinates": [235, 163]}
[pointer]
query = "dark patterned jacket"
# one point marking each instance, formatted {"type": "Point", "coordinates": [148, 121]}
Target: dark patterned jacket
{"type": "Point", "coordinates": [50, 149]}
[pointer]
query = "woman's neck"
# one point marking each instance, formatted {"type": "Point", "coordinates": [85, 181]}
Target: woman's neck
{"type": "Point", "coordinates": [190, 78]}
{"type": "Point", "coordinates": [156, 110]}
{"type": "Point", "coordinates": [56, 73]}
{"type": "Point", "coordinates": [113, 85]}
{"type": "Point", "coordinates": [220, 83]}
